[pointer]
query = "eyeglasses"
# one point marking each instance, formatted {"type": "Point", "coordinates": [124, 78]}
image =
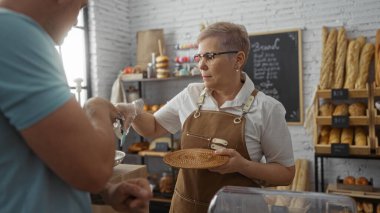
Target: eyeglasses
{"type": "Point", "coordinates": [208, 56]}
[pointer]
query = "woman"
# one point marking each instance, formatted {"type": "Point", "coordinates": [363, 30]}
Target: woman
{"type": "Point", "coordinates": [227, 106]}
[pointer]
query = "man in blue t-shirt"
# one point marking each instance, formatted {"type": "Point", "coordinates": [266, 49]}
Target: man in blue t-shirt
{"type": "Point", "coordinates": [52, 152]}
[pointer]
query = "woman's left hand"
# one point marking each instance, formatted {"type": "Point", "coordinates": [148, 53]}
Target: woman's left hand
{"type": "Point", "coordinates": [235, 163]}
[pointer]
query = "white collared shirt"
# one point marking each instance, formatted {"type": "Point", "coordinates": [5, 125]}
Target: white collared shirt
{"type": "Point", "coordinates": [266, 130]}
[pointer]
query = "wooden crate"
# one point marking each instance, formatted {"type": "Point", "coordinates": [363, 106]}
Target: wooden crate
{"type": "Point", "coordinates": [354, 149]}
{"type": "Point", "coordinates": [333, 189]}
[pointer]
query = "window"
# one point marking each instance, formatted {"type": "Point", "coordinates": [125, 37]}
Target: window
{"type": "Point", "coordinates": [75, 57]}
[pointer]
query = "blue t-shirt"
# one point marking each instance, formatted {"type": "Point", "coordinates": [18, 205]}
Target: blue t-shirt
{"type": "Point", "coordinates": [32, 85]}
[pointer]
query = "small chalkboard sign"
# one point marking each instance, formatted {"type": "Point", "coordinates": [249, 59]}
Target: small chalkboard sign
{"type": "Point", "coordinates": [339, 94]}
{"type": "Point", "coordinates": [340, 121]}
{"type": "Point", "coordinates": [275, 66]}
{"type": "Point", "coordinates": [340, 149]}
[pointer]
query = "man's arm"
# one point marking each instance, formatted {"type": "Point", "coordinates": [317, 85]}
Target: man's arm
{"type": "Point", "coordinates": [78, 145]}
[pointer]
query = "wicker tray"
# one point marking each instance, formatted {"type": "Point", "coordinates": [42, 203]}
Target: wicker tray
{"type": "Point", "coordinates": [194, 159]}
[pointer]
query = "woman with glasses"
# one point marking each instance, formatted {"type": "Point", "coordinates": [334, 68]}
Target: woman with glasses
{"type": "Point", "coordinates": [225, 106]}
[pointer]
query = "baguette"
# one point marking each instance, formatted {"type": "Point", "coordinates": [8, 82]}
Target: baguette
{"type": "Point", "coordinates": [362, 41]}
{"type": "Point", "coordinates": [352, 64]}
{"type": "Point", "coordinates": [340, 60]}
{"type": "Point", "coordinates": [327, 67]}
{"type": "Point", "coordinates": [365, 60]}
{"type": "Point", "coordinates": [377, 59]}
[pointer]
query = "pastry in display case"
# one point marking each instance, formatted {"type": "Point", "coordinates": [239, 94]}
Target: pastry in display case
{"type": "Point", "coordinates": [245, 199]}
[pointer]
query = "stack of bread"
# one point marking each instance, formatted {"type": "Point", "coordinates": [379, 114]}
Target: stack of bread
{"type": "Point", "coordinates": [356, 136]}
{"type": "Point", "coordinates": [162, 66]}
{"type": "Point", "coordinates": [345, 63]}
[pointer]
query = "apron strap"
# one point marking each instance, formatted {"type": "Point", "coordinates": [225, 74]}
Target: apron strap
{"type": "Point", "coordinates": [247, 105]}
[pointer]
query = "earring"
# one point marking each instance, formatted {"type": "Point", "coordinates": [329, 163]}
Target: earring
{"type": "Point", "coordinates": [237, 70]}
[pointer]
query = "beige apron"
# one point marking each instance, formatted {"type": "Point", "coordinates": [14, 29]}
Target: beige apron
{"type": "Point", "coordinates": [195, 187]}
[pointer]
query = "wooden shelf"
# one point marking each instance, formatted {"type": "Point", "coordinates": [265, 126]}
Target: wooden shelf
{"type": "Point", "coordinates": [376, 90]}
{"type": "Point", "coordinates": [352, 93]}
{"type": "Point", "coordinates": [332, 189]}
{"type": "Point", "coordinates": [354, 120]}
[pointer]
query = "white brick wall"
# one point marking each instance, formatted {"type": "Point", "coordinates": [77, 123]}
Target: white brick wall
{"type": "Point", "coordinates": [114, 24]}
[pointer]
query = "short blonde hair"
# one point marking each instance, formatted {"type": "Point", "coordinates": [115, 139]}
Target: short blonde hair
{"type": "Point", "coordinates": [232, 36]}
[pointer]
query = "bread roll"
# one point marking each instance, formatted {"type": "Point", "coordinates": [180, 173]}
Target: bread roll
{"type": "Point", "coordinates": [377, 59]}
{"type": "Point", "coordinates": [349, 180]}
{"type": "Point", "coordinates": [341, 110]}
{"type": "Point", "coordinates": [367, 207]}
{"type": "Point", "coordinates": [352, 64]}
{"type": "Point", "coordinates": [326, 109]}
{"type": "Point", "coordinates": [357, 109]}
{"type": "Point", "coordinates": [359, 206]}
{"type": "Point", "coordinates": [340, 59]}
{"type": "Point", "coordinates": [366, 56]}
{"type": "Point", "coordinates": [328, 59]}
{"type": "Point", "coordinates": [360, 136]}
{"type": "Point", "coordinates": [325, 130]}
{"type": "Point", "coordinates": [334, 135]}
{"type": "Point", "coordinates": [324, 135]}
{"type": "Point", "coordinates": [361, 181]}
{"type": "Point", "coordinates": [347, 136]}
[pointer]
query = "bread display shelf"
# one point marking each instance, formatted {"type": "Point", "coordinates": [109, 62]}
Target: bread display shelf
{"type": "Point", "coordinates": [376, 117]}
{"type": "Point", "coordinates": [332, 189]}
{"type": "Point", "coordinates": [376, 90]}
{"type": "Point", "coordinates": [352, 93]}
{"type": "Point", "coordinates": [354, 149]}
{"type": "Point", "coordinates": [376, 146]}
{"type": "Point", "coordinates": [354, 120]}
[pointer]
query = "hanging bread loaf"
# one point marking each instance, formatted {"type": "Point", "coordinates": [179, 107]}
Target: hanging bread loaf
{"type": "Point", "coordinates": [325, 33]}
{"type": "Point", "coordinates": [340, 59]}
{"type": "Point", "coordinates": [365, 59]}
{"type": "Point", "coordinates": [347, 136]}
{"type": "Point", "coordinates": [328, 59]}
{"type": "Point", "coordinates": [352, 64]}
{"type": "Point", "coordinates": [361, 40]}
{"type": "Point", "coordinates": [360, 136]}
{"type": "Point", "coordinates": [377, 59]}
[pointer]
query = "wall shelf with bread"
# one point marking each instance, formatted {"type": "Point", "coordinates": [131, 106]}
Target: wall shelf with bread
{"type": "Point", "coordinates": [345, 117]}
{"type": "Point", "coordinates": [343, 103]}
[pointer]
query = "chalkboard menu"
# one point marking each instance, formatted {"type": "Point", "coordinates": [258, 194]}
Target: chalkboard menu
{"type": "Point", "coordinates": [275, 66]}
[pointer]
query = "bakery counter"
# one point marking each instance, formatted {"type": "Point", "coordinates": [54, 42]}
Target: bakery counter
{"type": "Point", "coordinates": [121, 172]}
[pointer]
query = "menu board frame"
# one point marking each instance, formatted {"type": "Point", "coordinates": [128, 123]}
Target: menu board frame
{"type": "Point", "coordinates": [281, 77]}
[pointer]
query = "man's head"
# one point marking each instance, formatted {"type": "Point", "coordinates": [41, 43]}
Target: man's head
{"type": "Point", "coordinates": [55, 16]}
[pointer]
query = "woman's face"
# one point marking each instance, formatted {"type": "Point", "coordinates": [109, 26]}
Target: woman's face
{"type": "Point", "coordinates": [218, 71]}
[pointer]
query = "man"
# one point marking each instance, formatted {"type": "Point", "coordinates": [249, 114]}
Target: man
{"type": "Point", "coordinates": [52, 152]}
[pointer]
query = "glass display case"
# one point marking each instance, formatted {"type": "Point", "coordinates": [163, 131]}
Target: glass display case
{"type": "Point", "coordinates": [245, 199]}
